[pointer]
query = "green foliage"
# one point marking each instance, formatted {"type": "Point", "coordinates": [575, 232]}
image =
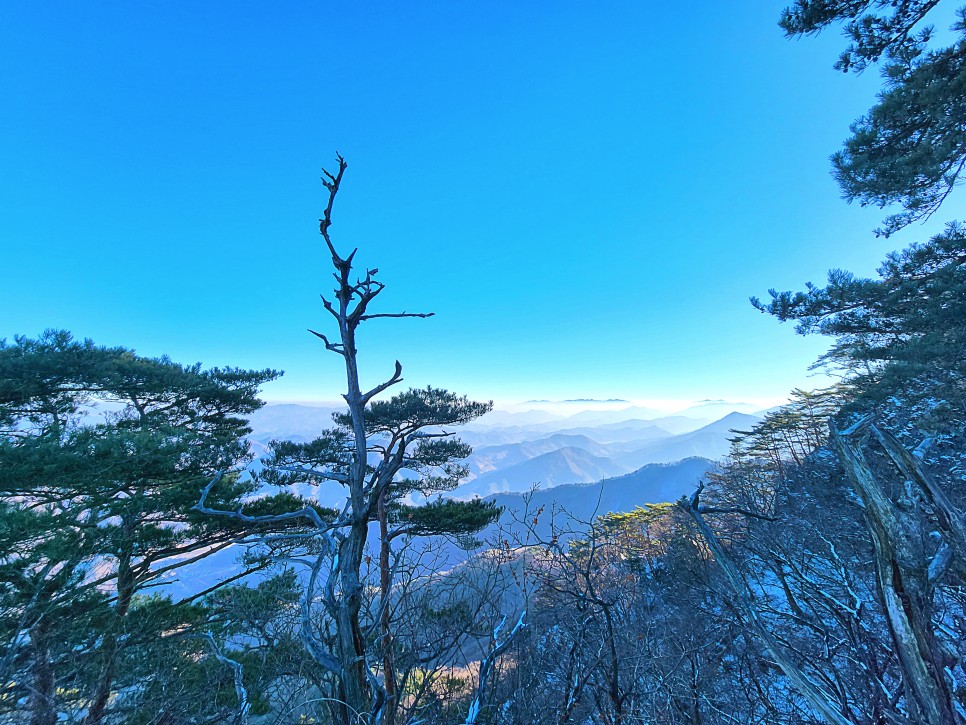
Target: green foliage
{"type": "Point", "coordinates": [902, 333]}
{"type": "Point", "coordinates": [790, 433]}
{"type": "Point", "coordinates": [284, 502]}
{"type": "Point", "coordinates": [640, 539]}
{"type": "Point", "coordinates": [408, 432]}
{"type": "Point", "coordinates": [876, 28]}
{"type": "Point", "coordinates": [415, 409]}
{"type": "Point", "coordinates": [452, 615]}
{"type": "Point", "coordinates": [99, 507]}
{"type": "Point", "coordinates": [446, 516]}
{"type": "Point", "coordinates": [910, 148]}
{"type": "Point", "coordinates": [290, 463]}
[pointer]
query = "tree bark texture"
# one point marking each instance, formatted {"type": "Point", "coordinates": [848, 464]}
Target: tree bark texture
{"type": "Point", "coordinates": [907, 596]}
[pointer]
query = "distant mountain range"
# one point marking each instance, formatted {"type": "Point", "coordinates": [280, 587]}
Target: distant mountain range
{"type": "Point", "coordinates": [515, 452]}
{"type": "Point", "coordinates": [286, 421]}
{"type": "Point", "coordinates": [585, 464]}
{"type": "Point", "coordinates": [568, 464]}
{"type": "Point", "coordinates": [570, 457]}
{"type": "Point", "coordinates": [572, 507]}
{"type": "Point", "coordinates": [653, 483]}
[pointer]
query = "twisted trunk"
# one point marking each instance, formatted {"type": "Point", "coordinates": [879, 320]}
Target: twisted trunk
{"type": "Point", "coordinates": [352, 649]}
{"type": "Point", "coordinates": [907, 594]}
{"type": "Point", "coordinates": [356, 693]}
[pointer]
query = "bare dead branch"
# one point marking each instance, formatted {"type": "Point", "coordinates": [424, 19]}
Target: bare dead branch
{"type": "Point", "coordinates": [903, 581]}
{"type": "Point", "coordinates": [487, 664]}
{"type": "Point", "coordinates": [742, 512]}
{"type": "Point", "coordinates": [328, 475]}
{"type": "Point", "coordinates": [335, 347]}
{"type": "Point", "coordinates": [241, 716]}
{"type": "Point", "coordinates": [331, 183]}
{"type": "Point", "coordinates": [318, 651]}
{"type": "Point", "coordinates": [821, 700]}
{"type": "Point", "coordinates": [306, 513]}
{"type": "Point", "coordinates": [396, 314]}
{"type": "Point", "coordinates": [396, 378]}
{"type": "Point", "coordinates": [330, 307]}
{"type": "Point", "coordinates": [950, 520]}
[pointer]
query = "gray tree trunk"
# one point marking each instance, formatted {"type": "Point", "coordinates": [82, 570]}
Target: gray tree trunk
{"type": "Point", "coordinates": [907, 594]}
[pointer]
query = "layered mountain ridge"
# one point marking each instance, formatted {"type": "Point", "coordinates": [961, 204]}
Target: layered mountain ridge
{"type": "Point", "coordinates": [517, 452]}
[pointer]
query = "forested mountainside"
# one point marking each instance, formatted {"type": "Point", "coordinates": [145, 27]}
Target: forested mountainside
{"type": "Point", "coordinates": [815, 574]}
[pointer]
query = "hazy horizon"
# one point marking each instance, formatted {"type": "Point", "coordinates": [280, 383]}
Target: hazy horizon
{"type": "Point", "coordinates": [563, 408]}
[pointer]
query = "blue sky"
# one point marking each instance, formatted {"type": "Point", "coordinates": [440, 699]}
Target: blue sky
{"type": "Point", "coordinates": [584, 193]}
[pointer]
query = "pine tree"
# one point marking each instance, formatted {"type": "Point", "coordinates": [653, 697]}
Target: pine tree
{"type": "Point", "coordinates": [910, 148]}
{"type": "Point", "coordinates": [103, 453]}
{"type": "Point", "coordinates": [902, 334]}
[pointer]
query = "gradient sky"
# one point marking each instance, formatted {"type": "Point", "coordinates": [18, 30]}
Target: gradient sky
{"type": "Point", "coordinates": [585, 193]}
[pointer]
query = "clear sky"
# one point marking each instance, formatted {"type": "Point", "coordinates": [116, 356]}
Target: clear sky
{"type": "Point", "coordinates": [584, 193]}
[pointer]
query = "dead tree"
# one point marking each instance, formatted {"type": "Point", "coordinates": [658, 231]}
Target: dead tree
{"type": "Point", "coordinates": [903, 569]}
{"type": "Point", "coordinates": [369, 446]}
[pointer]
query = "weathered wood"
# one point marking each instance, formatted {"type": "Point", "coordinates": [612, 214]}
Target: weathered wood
{"type": "Point", "coordinates": [488, 662]}
{"type": "Point", "coordinates": [902, 572]}
{"type": "Point", "coordinates": [951, 523]}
